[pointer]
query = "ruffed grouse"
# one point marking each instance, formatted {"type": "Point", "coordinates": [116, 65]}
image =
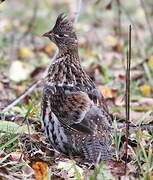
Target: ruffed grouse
{"type": "Point", "coordinates": [74, 115]}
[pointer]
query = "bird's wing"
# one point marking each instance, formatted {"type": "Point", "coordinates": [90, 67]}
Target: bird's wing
{"type": "Point", "coordinates": [74, 109]}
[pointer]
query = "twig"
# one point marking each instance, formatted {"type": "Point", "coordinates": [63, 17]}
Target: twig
{"type": "Point", "coordinates": [11, 117]}
{"type": "Point", "coordinates": [148, 126]}
{"type": "Point", "coordinates": [30, 88]}
{"type": "Point", "coordinates": [35, 84]}
{"type": "Point", "coordinates": [22, 96]}
{"type": "Point", "coordinates": [127, 100]}
{"type": "Point", "coordinates": [119, 17]}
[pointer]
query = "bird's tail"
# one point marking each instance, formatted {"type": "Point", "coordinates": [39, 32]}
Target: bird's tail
{"type": "Point", "coordinates": [96, 150]}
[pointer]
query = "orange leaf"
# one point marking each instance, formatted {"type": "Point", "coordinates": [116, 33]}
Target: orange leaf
{"type": "Point", "coordinates": [50, 48]}
{"type": "Point", "coordinates": [40, 170]}
{"type": "Point", "coordinates": [107, 92]}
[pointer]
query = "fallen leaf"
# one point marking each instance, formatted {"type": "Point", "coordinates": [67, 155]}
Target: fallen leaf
{"type": "Point", "coordinates": [120, 100]}
{"type": "Point", "coordinates": [70, 167]}
{"type": "Point", "coordinates": [146, 90]}
{"type": "Point", "coordinates": [112, 41]}
{"type": "Point", "coordinates": [25, 53]}
{"type": "Point", "coordinates": [117, 168]}
{"type": "Point", "coordinates": [16, 156]}
{"type": "Point", "coordinates": [11, 127]}
{"type": "Point", "coordinates": [19, 71]}
{"type": "Point", "coordinates": [107, 92]}
{"type": "Point", "coordinates": [90, 53]}
{"type": "Point", "coordinates": [41, 170]}
{"type": "Point", "coordinates": [136, 74]}
{"type": "Point", "coordinates": [27, 170]}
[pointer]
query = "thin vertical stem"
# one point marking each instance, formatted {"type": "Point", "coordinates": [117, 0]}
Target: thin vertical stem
{"type": "Point", "coordinates": [127, 100]}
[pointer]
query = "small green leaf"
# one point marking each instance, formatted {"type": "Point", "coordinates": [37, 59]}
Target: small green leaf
{"type": "Point", "coordinates": [11, 127]}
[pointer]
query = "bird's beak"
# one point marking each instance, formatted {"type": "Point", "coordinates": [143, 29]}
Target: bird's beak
{"type": "Point", "coordinates": [47, 34]}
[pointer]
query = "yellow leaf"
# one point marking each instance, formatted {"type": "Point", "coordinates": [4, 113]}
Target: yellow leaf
{"type": "Point", "coordinates": [41, 170]}
{"type": "Point", "coordinates": [90, 53]}
{"type": "Point", "coordinates": [25, 53]}
{"type": "Point", "coordinates": [150, 62]}
{"type": "Point", "coordinates": [146, 90]}
{"type": "Point", "coordinates": [112, 41]}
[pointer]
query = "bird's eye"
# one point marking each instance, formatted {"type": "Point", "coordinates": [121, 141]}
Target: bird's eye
{"type": "Point", "coordinates": [61, 35]}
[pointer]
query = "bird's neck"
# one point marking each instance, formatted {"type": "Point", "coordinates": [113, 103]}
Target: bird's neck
{"type": "Point", "coordinates": [66, 70]}
{"type": "Point", "coordinates": [71, 54]}
{"type": "Point", "coordinates": [64, 67]}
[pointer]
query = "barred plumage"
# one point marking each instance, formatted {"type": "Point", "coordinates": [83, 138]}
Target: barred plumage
{"type": "Point", "coordinates": [74, 114]}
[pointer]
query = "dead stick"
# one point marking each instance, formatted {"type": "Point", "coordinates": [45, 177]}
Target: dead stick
{"type": "Point", "coordinates": [22, 96]}
{"type": "Point", "coordinates": [29, 89]}
{"type": "Point", "coordinates": [128, 94]}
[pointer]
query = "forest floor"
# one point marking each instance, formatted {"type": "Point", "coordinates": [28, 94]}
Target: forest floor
{"type": "Point", "coordinates": [102, 28]}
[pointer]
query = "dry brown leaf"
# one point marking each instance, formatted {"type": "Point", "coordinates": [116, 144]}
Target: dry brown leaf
{"type": "Point", "coordinates": [136, 117]}
{"type": "Point", "coordinates": [27, 170]}
{"type": "Point", "coordinates": [120, 100]}
{"type": "Point", "coordinates": [117, 168]}
{"type": "Point", "coordinates": [136, 74]}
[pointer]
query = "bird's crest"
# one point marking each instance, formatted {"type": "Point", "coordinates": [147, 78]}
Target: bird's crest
{"type": "Point", "coordinates": [63, 24]}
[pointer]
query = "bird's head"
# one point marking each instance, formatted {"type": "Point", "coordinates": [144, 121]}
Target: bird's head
{"type": "Point", "coordinates": [63, 34]}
